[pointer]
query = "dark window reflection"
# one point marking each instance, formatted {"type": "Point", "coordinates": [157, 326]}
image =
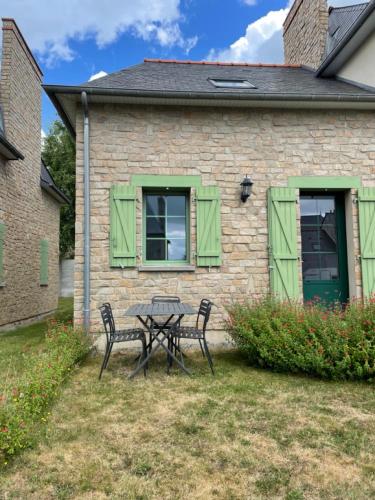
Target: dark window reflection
{"type": "Point", "coordinates": [155, 205]}
{"type": "Point", "coordinates": [155, 250]}
{"type": "Point", "coordinates": [155, 227]}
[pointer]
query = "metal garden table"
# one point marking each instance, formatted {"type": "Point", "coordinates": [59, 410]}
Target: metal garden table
{"type": "Point", "coordinates": [159, 331]}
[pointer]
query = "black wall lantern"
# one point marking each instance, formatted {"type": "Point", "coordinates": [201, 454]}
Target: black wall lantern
{"type": "Point", "coordinates": [246, 188]}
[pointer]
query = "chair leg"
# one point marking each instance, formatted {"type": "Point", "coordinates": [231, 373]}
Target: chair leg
{"type": "Point", "coordinates": [200, 343]}
{"type": "Point", "coordinates": [208, 355]}
{"type": "Point", "coordinates": [144, 354]}
{"type": "Point", "coordinates": [104, 360]}
{"type": "Point", "coordinates": [108, 354]}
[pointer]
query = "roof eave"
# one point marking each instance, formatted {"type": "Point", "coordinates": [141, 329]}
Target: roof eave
{"type": "Point", "coordinates": [353, 39]}
{"type": "Point", "coordinates": [8, 151]}
{"type": "Point", "coordinates": [147, 97]}
{"type": "Point", "coordinates": [55, 192]}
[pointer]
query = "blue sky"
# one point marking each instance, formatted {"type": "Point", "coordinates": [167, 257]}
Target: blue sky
{"type": "Point", "coordinates": [75, 39]}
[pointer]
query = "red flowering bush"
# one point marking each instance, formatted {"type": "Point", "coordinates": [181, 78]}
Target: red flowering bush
{"type": "Point", "coordinates": [24, 407]}
{"type": "Point", "coordinates": [332, 343]}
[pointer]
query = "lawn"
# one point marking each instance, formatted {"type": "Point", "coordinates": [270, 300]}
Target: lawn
{"type": "Point", "coordinates": [244, 433]}
{"type": "Point", "coordinates": [16, 345]}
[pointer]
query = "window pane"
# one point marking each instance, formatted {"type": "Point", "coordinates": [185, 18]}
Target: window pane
{"type": "Point", "coordinates": [329, 267]}
{"type": "Point", "coordinates": [311, 266]}
{"type": "Point", "coordinates": [308, 210]}
{"type": "Point", "coordinates": [155, 227]}
{"type": "Point", "coordinates": [310, 238]}
{"type": "Point", "coordinates": [155, 250]}
{"type": "Point", "coordinates": [155, 205]}
{"type": "Point", "coordinates": [176, 227]}
{"type": "Point", "coordinates": [328, 240]}
{"type": "Point", "coordinates": [177, 250]}
{"type": "Point", "coordinates": [326, 208]}
{"type": "Point", "coordinates": [176, 205]}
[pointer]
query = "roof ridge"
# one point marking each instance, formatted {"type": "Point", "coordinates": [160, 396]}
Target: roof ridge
{"type": "Point", "coordinates": [219, 63]}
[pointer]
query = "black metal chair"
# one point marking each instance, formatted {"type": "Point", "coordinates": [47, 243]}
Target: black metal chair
{"type": "Point", "coordinates": [115, 336]}
{"type": "Point", "coordinates": [196, 333]}
{"type": "Point", "coordinates": [164, 299]}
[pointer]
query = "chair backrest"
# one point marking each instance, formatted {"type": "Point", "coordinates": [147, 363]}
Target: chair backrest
{"type": "Point", "coordinates": [204, 313]}
{"type": "Point", "coordinates": [108, 320]}
{"type": "Point", "coordinates": [165, 299]}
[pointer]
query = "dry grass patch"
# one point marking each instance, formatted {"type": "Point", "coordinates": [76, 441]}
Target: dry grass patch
{"type": "Point", "coordinates": [244, 433]}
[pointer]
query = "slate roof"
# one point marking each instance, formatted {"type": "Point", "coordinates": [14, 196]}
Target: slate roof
{"type": "Point", "coordinates": [341, 19]}
{"type": "Point", "coordinates": [187, 77]}
{"type": "Point", "coordinates": [47, 183]}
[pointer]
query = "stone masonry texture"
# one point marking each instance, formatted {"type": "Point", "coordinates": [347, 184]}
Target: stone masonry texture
{"type": "Point", "coordinates": [29, 214]}
{"type": "Point", "coordinates": [222, 146]}
{"type": "Point", "coordinates": [305, 33]}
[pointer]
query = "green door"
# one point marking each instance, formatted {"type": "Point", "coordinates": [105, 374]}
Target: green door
{"type": "Point", "coordinates": [324, 254]}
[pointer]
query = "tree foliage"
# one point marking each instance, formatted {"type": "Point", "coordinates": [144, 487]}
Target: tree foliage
{"type": "Point", "coordinates": [59, 155]}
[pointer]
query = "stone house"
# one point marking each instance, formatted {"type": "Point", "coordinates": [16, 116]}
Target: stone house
{"type": "Point", "coordinates": [164, 148]}
{"type": "Point", "coordinates": [29, 199]}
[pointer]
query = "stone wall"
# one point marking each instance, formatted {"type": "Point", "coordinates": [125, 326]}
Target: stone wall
{"type": "Point", "coordinates": [305, 32]}
{"type": "Point", "coordinates": [220, 145]}
{"type": "Point", "coordinates": [29, 214]}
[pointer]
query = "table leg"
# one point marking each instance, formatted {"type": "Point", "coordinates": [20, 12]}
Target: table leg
{"type": "Point", "coordinates": [160, 343]}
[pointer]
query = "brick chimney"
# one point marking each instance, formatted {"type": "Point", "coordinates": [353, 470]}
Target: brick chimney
{"type": "Point", "coordinates": [305, 32]}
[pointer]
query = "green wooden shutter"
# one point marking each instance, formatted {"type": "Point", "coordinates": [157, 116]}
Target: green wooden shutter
{"type": "Point", "coordinates": [208, 226]}
{"type": "Point", "coordinates": [366, 204]}
{"type": "Point", "coordinates": [282, 227]}
{"type": "Point", "coordinates": [123, 223]}
{"type": "Point", "coordinates": [2, 238]}
{"type": "Point", "coordinates": [43, 262]}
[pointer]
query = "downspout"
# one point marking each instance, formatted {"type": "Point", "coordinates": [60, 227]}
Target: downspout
{"type": "Point", "coordinates": [86, 213]}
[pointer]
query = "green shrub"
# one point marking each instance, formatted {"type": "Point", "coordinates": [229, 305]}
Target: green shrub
{"type": "Point", "coordinates": [24, 407]}
{"type": "Point", "coordinates": [329, 343]}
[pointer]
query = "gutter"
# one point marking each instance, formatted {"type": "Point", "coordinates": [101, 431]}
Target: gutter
{"type": "Point", "coordinates": [86, 214]}
{"type": "Point", "coordinates": [55, 192]}
{"type": "Point", "coordinates": [53, 90]}
{"type": "Point", "coordinates": [347, 38]}
{"type": "Point", "coordinates": [9, 151]}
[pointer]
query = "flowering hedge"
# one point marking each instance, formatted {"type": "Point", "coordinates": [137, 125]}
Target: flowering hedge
{"type": "Point", "coordinates": [24, 407]}
{"type": "Point", "coordinates": [333, 344]}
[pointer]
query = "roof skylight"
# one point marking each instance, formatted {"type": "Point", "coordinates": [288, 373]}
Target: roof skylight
{"type": "Point", "coordinates": [231, 84]}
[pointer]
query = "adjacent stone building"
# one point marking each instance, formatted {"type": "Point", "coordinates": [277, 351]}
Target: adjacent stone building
{"type": "Point", "coordinates": [29, 200]}
{"type": "Point", "coordinates": [166, 146]}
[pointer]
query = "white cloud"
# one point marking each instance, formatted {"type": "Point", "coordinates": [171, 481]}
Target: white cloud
{"type": "Point", "coordinates": [249, 2]}
{"type": "Point", "coordinates": [50, 26]}
{"type": "Point", "coordinates": [262, 41]}
{"type": "Point", "coordinates": [100, 74]}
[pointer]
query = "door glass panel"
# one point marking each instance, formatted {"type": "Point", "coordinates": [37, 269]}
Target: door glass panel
{"type": "Point", "coordinates": [319, 238]}
{"type": "Point", "coordinates": [311, 266]}
{"type": "Point", "coordinates": [329, 267]}
{"type": "Point", "coordinates": [328, 239]}
{"type": "Point", "coordinates": [310, 238]}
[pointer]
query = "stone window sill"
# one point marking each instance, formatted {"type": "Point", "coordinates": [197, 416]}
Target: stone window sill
{"type": "Point", "coordinates": [151, 269]}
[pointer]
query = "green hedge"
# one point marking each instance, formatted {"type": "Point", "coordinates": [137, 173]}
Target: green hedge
{"type": "Point", "coordinates": [24, 407]}
{"type": "Point", "coordinates": [332, 344]}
